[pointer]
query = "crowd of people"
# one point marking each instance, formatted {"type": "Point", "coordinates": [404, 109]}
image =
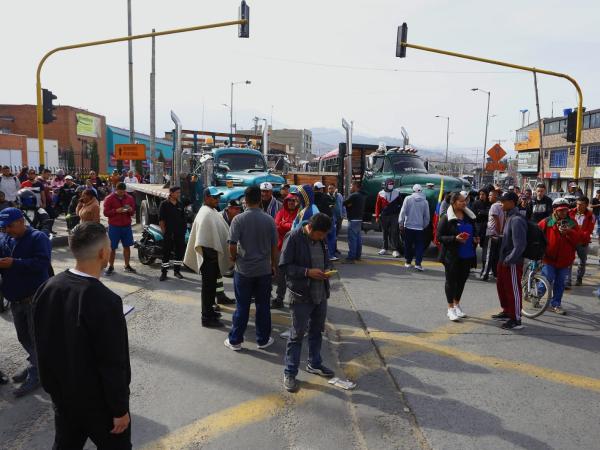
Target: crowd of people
{"type": "Point", "coordinates": [73, 330]}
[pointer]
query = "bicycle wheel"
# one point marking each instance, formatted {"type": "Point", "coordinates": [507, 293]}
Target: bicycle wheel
{"type": "Point", "coordinates": [536, 294]}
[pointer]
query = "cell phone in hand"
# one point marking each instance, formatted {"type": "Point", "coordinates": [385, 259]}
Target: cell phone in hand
{"type": "Point", "coordinates": [463, 235]}
{"type": "Point", "coordinates": [330, 272]}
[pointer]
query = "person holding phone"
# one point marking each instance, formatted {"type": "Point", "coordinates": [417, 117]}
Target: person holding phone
{"type": "Point", "coordinates": [307, 269]}
{"type": "Point", "coordinates": [456, 233]}
{"type": "Point", "coordinates": [119, 207]}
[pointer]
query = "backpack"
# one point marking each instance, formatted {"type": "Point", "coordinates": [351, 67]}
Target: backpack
{"type": "Point", "coordinates": [536, 242]}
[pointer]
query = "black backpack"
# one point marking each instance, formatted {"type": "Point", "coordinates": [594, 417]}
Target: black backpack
{"type": "Point", "coordinates": [536, 242]}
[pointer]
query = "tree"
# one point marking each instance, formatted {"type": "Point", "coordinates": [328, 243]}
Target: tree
{"type": "Point", "coordinates": [94, 157]}
{"type": "Point", "coordinates": [161, 157]}
{"type": "Point", "coordinates": [139, 167]}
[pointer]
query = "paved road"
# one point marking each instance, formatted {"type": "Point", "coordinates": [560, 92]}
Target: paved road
{"type": "Point", "coordinates": [422, 382]}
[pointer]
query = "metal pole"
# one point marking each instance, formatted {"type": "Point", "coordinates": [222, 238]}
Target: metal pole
{"type": "Point", "coordinates": [153, 110]}
{"type": "Point", "coordinates": [130, 52]}
{"type": "Point", "coordinates": [231, 116]}
{"type": "Point", "coordinates": [38, 73]}
{"type": "Point", "coordinates": [487, 122]}
{"type": "Point", "coordinates": [447, 136]}
{"type": "Point", "coordinates": [541, 152]}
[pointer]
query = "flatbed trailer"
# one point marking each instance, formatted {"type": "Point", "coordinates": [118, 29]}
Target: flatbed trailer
{"type": "Point", "coordinates": [147, 201]}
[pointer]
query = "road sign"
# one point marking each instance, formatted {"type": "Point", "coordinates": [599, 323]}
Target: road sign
{"type": "Point", "coordinates": [496, 153]}
{"type": "Point", "coordinates": [493, 166]}
{"type": "Point", "coordinates": [132, 152]}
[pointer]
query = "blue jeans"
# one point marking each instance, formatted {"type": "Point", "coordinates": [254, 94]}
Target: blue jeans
{"type": "Point", "coordinates": [245, 289]}
{"type": "Point", "coordinates": [556, 277]}
{"type": "Point", "coordinates": [414, 245]}
{"type": "Point", "coordinates": [332, 239]}
{"type": "Point", "coordinates": [354, 239]}
{"type": "Point", "coordinates": [305, 315]}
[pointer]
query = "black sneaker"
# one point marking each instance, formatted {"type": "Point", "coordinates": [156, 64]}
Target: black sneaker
{"type": "Point", "coordinates": [512, 324]}
{"type": "Point", "coordinates": [163, 276]}
{"type": "Point", "coordinates": [500, 316]}
{"type": "Point", "coordinates": [130, 269]}
{"type": "Point", "coordinates": [20, 377]}
{"type": "Point", "coordinates": [178, 275]}
{"type": "Point", "coordinates": [289, 383]}
{"type": "Point", "coordinates": [212, 323]}
{"type": "Point", "coordinates": [320, 370]}
{"type": "Point", "coordinates": [579, 282]}
{"type": "Point", "coordinates": [3, 378]}
{"type": "Point", "coordinates": [276, 303]}
{"type": "Point", "coordinates": [108, 272]}
{"type": "Point", "coordinates": [27, 387]}
{"type": "Point", "coordinates": [224, 300]}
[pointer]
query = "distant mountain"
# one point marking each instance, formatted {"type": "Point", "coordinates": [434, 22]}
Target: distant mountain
{"type": "Point", "coordinates": [326, 139]}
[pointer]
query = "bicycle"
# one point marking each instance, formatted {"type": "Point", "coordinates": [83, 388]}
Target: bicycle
{"type": "Point", "coordinates": [536, 290]}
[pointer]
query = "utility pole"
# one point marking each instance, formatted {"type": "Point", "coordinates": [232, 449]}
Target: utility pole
{"type": "Point", "coordinates": [130, 51]}
{"type": "Point", "coordinates": [153, 110]}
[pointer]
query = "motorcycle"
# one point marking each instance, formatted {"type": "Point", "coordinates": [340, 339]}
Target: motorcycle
{"type": "Point", "coordinates": [150, 246]}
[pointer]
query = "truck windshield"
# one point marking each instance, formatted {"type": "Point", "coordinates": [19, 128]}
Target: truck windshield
{"type": "Point", "coordinates": [240, 162]}
{"type": "Point", "coordinates": [403, 163]}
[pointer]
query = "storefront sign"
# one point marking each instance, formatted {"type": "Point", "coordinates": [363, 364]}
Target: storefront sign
{"type": "Point", "coordinates": [528, 162]}
{"type": "Point", "coordinates": [132, 152]}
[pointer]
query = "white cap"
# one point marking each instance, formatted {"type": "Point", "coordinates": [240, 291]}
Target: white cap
{"type": "Point", "coordinates": [68, 177]}
{"type": "Point", "coordinates": [464, 193]}
{"type": "Point", "coordinates": [430, 185]}
{"type": "Point", "coordinates": [318, 185]}
{"type": "Point", "coordinates": [417, 188]}
{"type": "Point", "coordinates": [266, 186]}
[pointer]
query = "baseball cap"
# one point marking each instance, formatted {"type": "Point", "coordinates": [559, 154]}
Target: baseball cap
{"type": "Point", "coordinates": [572, 184]}
{"type": "Point", "coordinates": [234, 203]}
{"type": "Point", "coordinates": [417, 188]}
{"type": "Point", "coordinates": [318, 185]}
{"type": "Point", "coordinates": [9, 215]}
{"type": "Point", "coordinates": [509, 196]}
{"type": "Point", "coordinates": [68, 177]}
{"type": "Point", "coordinates": [559, 203]}
{"type": "Point", "coordinates": [212, 191]}
{"type": "Point", "coordinates": [266, 186]}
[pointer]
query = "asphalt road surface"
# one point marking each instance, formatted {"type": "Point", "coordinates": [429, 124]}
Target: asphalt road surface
{"type": "Point", "coordinates": [423, 382]}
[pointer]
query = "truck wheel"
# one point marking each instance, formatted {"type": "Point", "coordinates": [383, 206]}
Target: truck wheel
{"type": "Point", "coordinates": [145, 213]}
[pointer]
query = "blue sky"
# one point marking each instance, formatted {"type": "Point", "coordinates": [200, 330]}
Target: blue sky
{"type": "Point", "coordinates": [312, 62]}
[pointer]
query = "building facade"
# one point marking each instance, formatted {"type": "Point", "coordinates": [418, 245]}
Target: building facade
{"type": "Point", "coordinates": [116, 135]}
{"type": "Point", "coordinates": [558, 156]}
{"type": "Point", "coordinates": [80, 134]}
{"type": "Point", "coordinates": [299, 142]}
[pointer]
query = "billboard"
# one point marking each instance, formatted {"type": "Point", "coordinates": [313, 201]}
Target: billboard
{"type": "Point", "coordinates": [88, 125]}
{"type": "Point", "coordinates": [528, 162]}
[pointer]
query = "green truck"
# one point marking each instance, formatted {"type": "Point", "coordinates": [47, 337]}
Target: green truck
{"type": "Point", "coordinates": [373, 164]}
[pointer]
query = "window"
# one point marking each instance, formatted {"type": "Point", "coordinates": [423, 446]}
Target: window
{"type": "Point", "coordinates": [595, 120]}
{"type": "Point", "coordinates": [586, 121]}
{"type": "Point", "coordinates": [378, 164]}
{"type": "Point", "coordinates": [551, 127]}
{"type": "Point", "coordinates": [562, 126]}
{"type": "Point", "coordinates": [387, 166]}
{"type": "Point", "coordinates": [594, 156]}
{"type": "Point", "coordinates": [558, 158]}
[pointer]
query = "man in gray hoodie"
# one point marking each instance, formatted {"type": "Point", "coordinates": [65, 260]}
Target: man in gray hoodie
{"type": "Point", "coordinates": [413, 219]}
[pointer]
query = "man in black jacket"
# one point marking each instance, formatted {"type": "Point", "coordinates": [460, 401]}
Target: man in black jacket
{"type": "Point", "coordinates": [83, 352]}
{"type": "Point", "coordinates": [540, 206]}
{"type": "Point", "coordinates": [306, 265]}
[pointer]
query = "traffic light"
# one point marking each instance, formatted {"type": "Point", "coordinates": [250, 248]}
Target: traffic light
{"type": "Point", "coordinates": [47, 106]}
{"type": "Point", "coordinates": [401, 39]}
{"type": "Point", "coordinates": [244, 29]}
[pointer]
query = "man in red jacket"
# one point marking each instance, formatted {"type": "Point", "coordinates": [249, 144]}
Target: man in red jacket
{"type": "Point", "coordinates": [119, 207]}
{"type": "Point", "coordinates": [562, 237]}
{"type": "Point", "coordinates": [283, 221]}
{"type": "Point", "coordinates": [585, 219]}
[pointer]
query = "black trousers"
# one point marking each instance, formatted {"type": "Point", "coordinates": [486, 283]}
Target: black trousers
{"type": "Point", "coordinates": [22, 312]}
{"type": "Point", "coordinates": [492, 256]}
{"type": "Point", "coordinates": [210, 273]}
{"type": "Point", "coordinates": [457, 274]}
{"type": "Point", "coordinates": [391, 232]}
{"type": "Point", "coordinates": [173, 242]}
{"type": "Point", "coordinates": [73, 428]}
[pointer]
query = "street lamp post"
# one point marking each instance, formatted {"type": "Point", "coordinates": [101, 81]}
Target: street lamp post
{"type": "Point", "coordinates": [231, 106]}
{"type": "Point", "coordinates": [487, 122]}
{"type": "Point", "coordinates": [447, 133]}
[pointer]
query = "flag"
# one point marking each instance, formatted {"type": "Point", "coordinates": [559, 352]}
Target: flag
{"type": "Point", "coordinates": [436, 215]}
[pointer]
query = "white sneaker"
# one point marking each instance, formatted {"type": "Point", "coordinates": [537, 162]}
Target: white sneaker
{"type": "Point", "coordinates": [234, 347]}
{"type": "Point", "coordinates": [407, 265]}
{"type": "Point", "coordinates": [419, 268]}
{"type": "Point", "coordinates": [396, 254]}
{"type": "Point", "coordinates": [452, 315]}
{"type": "Point", "coordinates": [267, 344]}
{"type": "Point", "coordinates": [459, 312]}
{"type": "Point", "coordinates": [382, 252]}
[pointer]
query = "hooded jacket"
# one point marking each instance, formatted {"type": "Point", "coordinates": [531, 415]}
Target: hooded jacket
{"type": "Point", "coordinates": [414, 214]}
{"type": "Point", "coordinates": [447, 231]}
{"type": "Point", "coordinates": [388, 203]}
{"type": "Point", "coordinates": [560, 249]}
{"type": "Point", "coordinates": [285, 219]}
{"type": "Point", "coordinates": [307, 205]}
{"type": "Point", "coordinates": [587, 228]}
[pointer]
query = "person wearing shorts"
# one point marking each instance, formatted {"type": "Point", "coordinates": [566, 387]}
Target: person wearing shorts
{"type": "Point", "coordinates": [119, 207]}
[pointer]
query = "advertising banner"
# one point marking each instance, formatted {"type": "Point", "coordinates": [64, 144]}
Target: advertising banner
{"type": "Point", "coordinates": [528, 162]}
{"type": "Point", "coordinates": [88, 125]}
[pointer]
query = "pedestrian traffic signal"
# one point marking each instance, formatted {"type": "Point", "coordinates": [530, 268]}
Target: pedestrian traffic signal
{"type": "Point", "coordinates": [244, 28]}
{"type": "Point", "coordinates": [401, 39]}
{"type": "Point", "coordinates": [47, 106]}
{"type": "Point", "coordinates": [572, 126]}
